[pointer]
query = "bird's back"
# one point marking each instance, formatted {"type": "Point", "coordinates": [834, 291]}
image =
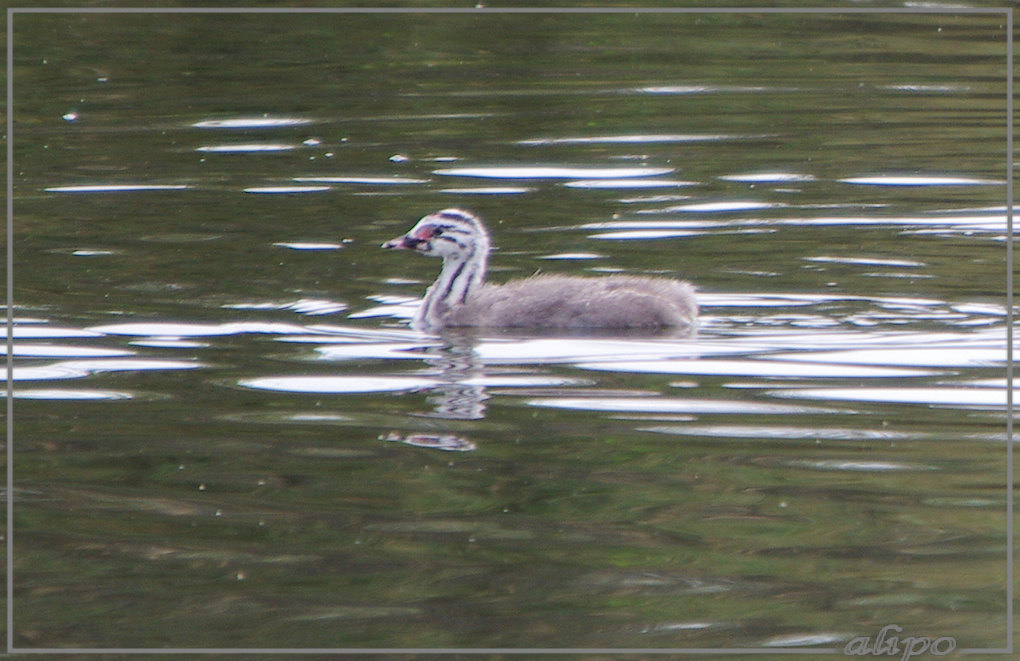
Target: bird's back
{"type": "Point", "coordinates": [556, 301]}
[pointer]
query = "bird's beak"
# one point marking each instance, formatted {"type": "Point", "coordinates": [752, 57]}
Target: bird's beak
{"type": "Point", "coordinates": [406, 242]}
{"type": "Point", "coordinates": [399, 243]}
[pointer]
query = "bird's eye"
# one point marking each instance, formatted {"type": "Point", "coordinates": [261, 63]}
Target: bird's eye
{"type": "Point", "coordinates": [437, 231]}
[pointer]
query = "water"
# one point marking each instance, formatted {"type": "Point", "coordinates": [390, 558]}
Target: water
{"type": "Point", "coordinates": [226, 435]}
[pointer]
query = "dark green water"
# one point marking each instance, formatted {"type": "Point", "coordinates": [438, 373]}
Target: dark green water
{"type": "Point", "coordinates": [226, 435]}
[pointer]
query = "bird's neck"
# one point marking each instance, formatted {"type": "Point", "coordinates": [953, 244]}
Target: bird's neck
{"type": "Point", "coordinates": [459, 278]}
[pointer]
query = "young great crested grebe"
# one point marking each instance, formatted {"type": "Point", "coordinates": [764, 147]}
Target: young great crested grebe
{"type": "Point", "coordinates": [461, 297]}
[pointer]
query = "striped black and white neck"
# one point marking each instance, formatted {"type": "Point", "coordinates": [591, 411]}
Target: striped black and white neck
{"type": "Point", "coordinates": [461, 297]}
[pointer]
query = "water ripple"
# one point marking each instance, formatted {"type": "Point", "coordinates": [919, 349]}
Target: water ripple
{"type": "Point", "coordinates": [919, 180]}
{"type": "Point", "coordinates": [552, 172]}
{"type": "Point", "coordinates": [250, 123]}
{"type": "Point", "coordinates": [246, 148]}
{"type": "Point", "coordinates": [942, 396]}
{"type": "Point", "coordinates": [670, 405]}
{"type": "Point", "coordinates": [114, 188]}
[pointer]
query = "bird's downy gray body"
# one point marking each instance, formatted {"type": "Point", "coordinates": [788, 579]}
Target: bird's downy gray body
{"type": "Point", "coordinates": [461, 297]}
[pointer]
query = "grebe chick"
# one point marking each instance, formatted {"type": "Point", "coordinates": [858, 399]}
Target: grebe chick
{"type": "Point", "coordinates": [461, 297]}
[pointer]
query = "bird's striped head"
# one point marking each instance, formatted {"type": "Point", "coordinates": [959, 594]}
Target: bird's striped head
{"type": "Point", "coordinates": [450, 233]}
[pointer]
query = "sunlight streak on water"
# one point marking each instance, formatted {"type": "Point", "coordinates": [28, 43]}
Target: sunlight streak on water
{"type": "Point", "coordinates": [857, 466]}
{"type": "Point", "coordinates": [628, 183]}
{"type": "Point", "coordinates": [918, 180]}
{"type": "Point", "coordinates": [707, 89]}
{"type": "Point", "coordinates": [671, 405]}
{"type": "Point", "coordinates": [768, 432]}
{"type": "Point", "coordinates": [630, 139]}
{"type": "Point", "coordinates": [960, 396]}
{"type": "Point", "coordinates": [114, 188]}
{"type": "Point", "coordinates": [285, 190]}
{"type": "Point", "coordinates": [246, 148]}
{"type": "Point", "coordinates": [294, 245]}
{"type": "Point", "coordinates": [303, 306]}
{"type": "Point", "coordinates": [250, 123]}
{"type": "Point", "coordinates": [359, 179]}
{"type": "Point", "coordinates": [488, 190]}
{"type": "Point", "coordinates": [172, 329]}
{"type": "Point", "coordinates": [77, 369]}
{"type": "Point", "coordinates": [71, 395]}
{"type": "Point", "coordinates": [365, 384]}
{"type": "Point", "coordinates": [717, 207]}
{"type": "Point", "coordinates": [771, 369]}
{"type": "Point", "coordinates": [552, 172]}
{"type": "Point", "coordinates": [769, 177]}
{"type": "Point", "coordinates": [906, 356]}
{"type": "Point", "coordinates": [63, 351]}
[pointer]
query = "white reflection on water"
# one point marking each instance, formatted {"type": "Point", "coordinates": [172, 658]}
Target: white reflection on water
{"type": "Point", "coordinates": [361, 179]}
{"type": "Point", "coordinates": [708, 89]}
{"type": "Point", "coordinates": [285, 190]}
{"type": "Point", "coordinates": [309, 306]}
{"type": "Point", "coordinates": [983, 221]}
{"type": "Point", "coordinates": [71, 395]}
{"type": "Point", "coordinates": [76, 369]}
{"type": "Point", "coordinates": [303, 245]}
{"type": "Point", "coordinates": [866, 261]}
{"type": "Point", "coordinates": [856, 466]}
{"type": "Point", "coordinates": [646, 234]}
{"type": "Point", "coordinates": [337, 384]}
{"type": "Point", "coordinates": [361, 384]}
{"type": "Point", "coordinates": [769, 177]}
{"type": "Point", "coordinates": [762, 431]}
{"type": "Point", "coordinates": [718, 207]}
{"type": "Point", "coordinates": [960, 395]}
{"type": "Point", "coordinates": [772, 369]}
{"type": "Point", "coordinates": [488, 190]}
{"type": "Point", "coordinates": [250, 122]}
{"type": "Point", "coordinates": [672, 405]}
{"type": "Point", "coordinates": [246, 148]}
{"type": "Point", "coordinates": [63, 351]}
{"type": "Point", "coordinates": [933, 356]}
{"type": "Point", "coordinates": [572, 256]}
{"type": "Point", "coordinates": [89, 252]}
{"type": "Point", "coordinates": [552, 172]}
{"type": "Point", "coordinates": [918, 180]}
{"type": "Point", "coordinates": [377, 350]}
{"type": "Point", "coordinates": [628, 183]}
{"type": "Point", "coordinates": [41, 332]}
{"type": "Point", "coordinates": [806, 640]}
{"type": "Point", "coordinates": [114, 188]}
{"type": "Point", "coordinates": [651, 138]}
{"type": "Point", "coordinates": [185, 329]}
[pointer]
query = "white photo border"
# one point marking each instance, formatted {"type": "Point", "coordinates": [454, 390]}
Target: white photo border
{"type": "Point", "coordinates": [1006, 12]}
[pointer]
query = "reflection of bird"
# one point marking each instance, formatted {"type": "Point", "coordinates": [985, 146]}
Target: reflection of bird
{"type": "Point", "coordinates": [461, 297]}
